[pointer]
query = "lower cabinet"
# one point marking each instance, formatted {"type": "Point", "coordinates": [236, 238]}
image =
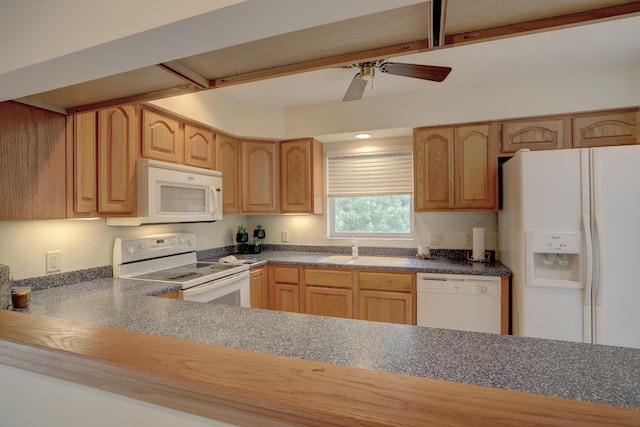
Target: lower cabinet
{"type": "Point", "coordinates": [283, 288]}
{"type": "Point", "coordinates": [258, 287]}
{"type": "Point", "coordinates": [386, 296]}
{"type": "Point", "coordinates": [383, 296]}
{"type": "Point", "coordinates": [328, 292]}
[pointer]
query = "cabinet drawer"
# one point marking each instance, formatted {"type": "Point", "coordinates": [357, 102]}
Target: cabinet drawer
{"type": "Point", "coordinates": [329, 278]}
{"type": "Point", "coordinates": [286, 274]}
{"type": "Point", "coordinates": [377, 281]}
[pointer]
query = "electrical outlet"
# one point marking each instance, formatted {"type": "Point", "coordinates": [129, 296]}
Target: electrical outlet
{"type": "Point", "coordinates": [54, 261]}
{"type": "Point", "coordinates": [436, 238]}
{"type": "Point", "coordinates": [284, 236]}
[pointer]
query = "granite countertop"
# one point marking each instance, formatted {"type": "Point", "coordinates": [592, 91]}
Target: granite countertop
{"type": "Point", "coordinates": [435, 265]}
{"type": "Point", "coordinates": [593, 373]}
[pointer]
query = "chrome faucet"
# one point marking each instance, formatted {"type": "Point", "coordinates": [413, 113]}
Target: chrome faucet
{"type": "Point", "coordinates": [354, 249]}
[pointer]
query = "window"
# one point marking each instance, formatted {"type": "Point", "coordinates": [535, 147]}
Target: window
{"type": "Point", "coordinates": [370, 195]}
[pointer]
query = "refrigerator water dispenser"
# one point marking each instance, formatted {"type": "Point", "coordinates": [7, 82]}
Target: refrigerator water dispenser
{"type": "Point", "coordinates": [553, 258]}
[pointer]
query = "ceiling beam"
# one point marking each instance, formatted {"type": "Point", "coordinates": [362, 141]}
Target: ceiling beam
{"type": "Point", "coordinates": [545, 24]}
{"type": "Point", "coordinates": [185, 73]}
{"type": "Point", "coordinates": [318, 64]}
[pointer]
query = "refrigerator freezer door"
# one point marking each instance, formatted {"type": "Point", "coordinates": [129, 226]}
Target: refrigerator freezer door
{"type": "Point", "coordinates": [551, 198]}
{"type": "Point", "coordinates": [616, 206]}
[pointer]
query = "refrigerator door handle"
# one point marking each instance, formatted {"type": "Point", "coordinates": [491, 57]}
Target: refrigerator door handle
{"type": "Point", "coordinates": [588, 280]}
{"type": "Point", "coordinates": [597, 294]}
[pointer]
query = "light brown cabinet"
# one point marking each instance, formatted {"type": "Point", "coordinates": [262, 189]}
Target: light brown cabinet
{"type": "Point", "coordinates": [383, 296]}
{"type": "Point", "coordinates": [328, 292]}
{"type": "Point", "coordinates": [535, 134]}
{"type": "Point", "coordinates": [386, 296]}
{"type": "Point", "coordinates": [171, 139]}
{"type": "Point", "coordinates": [84, 156]}
{"type": "Point", "coordinates": [162, 137]}
{"type": "Point", "coordinates": [606, 128]}
{"type": "Point", "coordinates": [301, 176]}
{"type": "Point", "coordinates": [118, 142]}
{"type": "Point", "coordinates": [104, 151]}
{"type": "Point", "coordinates": [283, 288]}
{"type": "Point", "coordinates": [258, 287]}
{"type": "Point", "coordinates": [455, 168]}
{"type": "Point", "coordinates": [258, 177]}
{"type": "Point", "coordinates": [171, 294]}
{"type": "Point", "coordinates": [228, 162]}
{"type": "Point", "coordinates": [32, 164]}
{"type": "Point", "coordinates": [198, 146]}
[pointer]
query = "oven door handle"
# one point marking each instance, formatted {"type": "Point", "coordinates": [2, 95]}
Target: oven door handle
{"type": "Point", "coordinates": [216, 284]}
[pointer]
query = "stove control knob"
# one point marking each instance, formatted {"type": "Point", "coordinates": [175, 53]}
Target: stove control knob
{"type": "Point", "coordinates": [130, 250]}
{"type": "Point", "coordinates": [190, 242]}
{"type": "Point", "coordinates": [181, 241]}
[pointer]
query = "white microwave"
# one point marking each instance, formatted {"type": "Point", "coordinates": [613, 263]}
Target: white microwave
{"type": "Point", "coordinates": [169, 193]}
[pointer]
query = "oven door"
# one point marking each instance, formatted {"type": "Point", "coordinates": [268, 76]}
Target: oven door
{"type": "Point", "coordinates": [230, 290]}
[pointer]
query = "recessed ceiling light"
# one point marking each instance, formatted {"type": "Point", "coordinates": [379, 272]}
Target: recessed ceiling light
{"type": "Point", "coordinates": [363, 136]}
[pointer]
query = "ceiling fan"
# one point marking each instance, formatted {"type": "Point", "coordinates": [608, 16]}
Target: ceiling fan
{"type": "Point", "coordinates": [367, 71]}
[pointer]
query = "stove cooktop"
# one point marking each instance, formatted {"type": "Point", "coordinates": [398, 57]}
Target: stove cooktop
{"type": "Point", "coordinates": [189, 272]}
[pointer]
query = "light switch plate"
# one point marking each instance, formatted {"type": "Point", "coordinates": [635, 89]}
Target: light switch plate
{"type": "Point", "coordinates": [284, 235]}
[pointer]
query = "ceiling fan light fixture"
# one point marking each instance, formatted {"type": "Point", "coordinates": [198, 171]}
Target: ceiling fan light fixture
{"type": "Point", "coordinates": [367, 72]}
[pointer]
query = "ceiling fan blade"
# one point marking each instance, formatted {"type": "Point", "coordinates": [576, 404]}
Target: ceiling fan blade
{"type": "Point", "coordinates": [425, 72]}
{"type": "Point", "coordinates": [356, 89]}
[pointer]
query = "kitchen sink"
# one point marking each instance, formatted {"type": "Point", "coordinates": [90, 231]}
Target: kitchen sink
{"type": "Point", "coordinates": [364, 260]}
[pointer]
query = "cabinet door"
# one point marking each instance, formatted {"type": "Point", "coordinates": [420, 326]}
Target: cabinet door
{"type": "Point", "coordinates": [118, 139]}
{"type": "Point", "coordinates": [286, 297]}
{"type": "Point", "coordinates": [301, 177]}
{"type": "Point", "coordinates": [433, 169]}
{"type": "Point", "coordinates": [198, 146]}
{"type": "Point", "coordinates": [258, 161]}
{"type": "Point", "coordinates": [32, 164]}
{"type": "Point", "coordinates": [228, 162]}
{"type": "Point", "coordinates": [393, 307]}
{"type": "Point", "coordinates": [258, 288]}
{"type": "Point", "coordinates": [162, 137]}
{"type": "Point", "coordinates": [535, 134]}
{"type": "Point", "coordinates": [602, 129]}
{"type": "Point", "coordinates": [476, 168]}
{"type": "Point", "coordinates": [85, 166]}
{"type": "Point", "coordinates": [328, 301]}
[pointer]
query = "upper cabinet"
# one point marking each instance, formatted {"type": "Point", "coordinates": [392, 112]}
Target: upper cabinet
{"type": "Point", "coordinates": [606, 128]}
{"type": "Point", "coordinates": [32, 164]}
{"type": "Point", "coordinates": [228, 162]}
{"type": "Point", "coordinates": [170, 139]}
{"type": "Point", "coordinates": [535, 134]}
{"type": "Point", "coordinates": [301, 176]}
{"type": "Point", "coordinates": [198, 146]}
{"type": "Point", "coordinates": [103, 151]}
{"type": "Point", "coordinates": [476, 169]}
{"type": "Point", "coordinates": [118, 142]}
{"type": "Point", "coordinates": [433, 169]}
{"type": "Point", "coordinates": [258, 176]}
{"type": "Point", "coordinates": [455, 168]}
{"type": "Point", "coordinates": [162, 137]}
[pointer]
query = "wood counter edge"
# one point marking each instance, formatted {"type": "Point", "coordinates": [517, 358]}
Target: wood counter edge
{"type": "Point", "coordinates": [249, 388]}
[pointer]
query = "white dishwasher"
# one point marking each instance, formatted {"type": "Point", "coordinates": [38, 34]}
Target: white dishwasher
{"type": "Point", "coordinates": [464, 302]}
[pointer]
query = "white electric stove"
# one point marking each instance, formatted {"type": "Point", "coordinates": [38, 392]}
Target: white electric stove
{"type": "Point", "coordinates": [171, 258]}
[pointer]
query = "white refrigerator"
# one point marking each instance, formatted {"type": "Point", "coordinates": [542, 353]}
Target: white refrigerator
{"type": "Point", "coordinates": [569, 230]}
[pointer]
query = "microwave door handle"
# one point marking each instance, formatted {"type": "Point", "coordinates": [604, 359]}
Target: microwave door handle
{"type": "Point", "coordinates": [213, 199]}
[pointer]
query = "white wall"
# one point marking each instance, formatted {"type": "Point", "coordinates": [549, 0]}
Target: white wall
{"type": "Point", "coordinates": [89, 244]}
{"type": "Point", "coordinates": [38, 400]}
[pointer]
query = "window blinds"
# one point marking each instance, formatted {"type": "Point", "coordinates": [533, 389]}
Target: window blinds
{"type": "Point", "coordinates": [370, 174]}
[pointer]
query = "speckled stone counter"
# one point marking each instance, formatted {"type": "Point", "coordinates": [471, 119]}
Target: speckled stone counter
{"type": "Point", "coordinates": [436, 265]}
{"type": "Point", "coordinates": [593, 373]}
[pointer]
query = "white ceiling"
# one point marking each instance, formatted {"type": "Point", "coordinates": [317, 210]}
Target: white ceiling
{"type": "Point", "coordinates": [565, 50]}
{"type": "Point", "coordinates": [588, 46]}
